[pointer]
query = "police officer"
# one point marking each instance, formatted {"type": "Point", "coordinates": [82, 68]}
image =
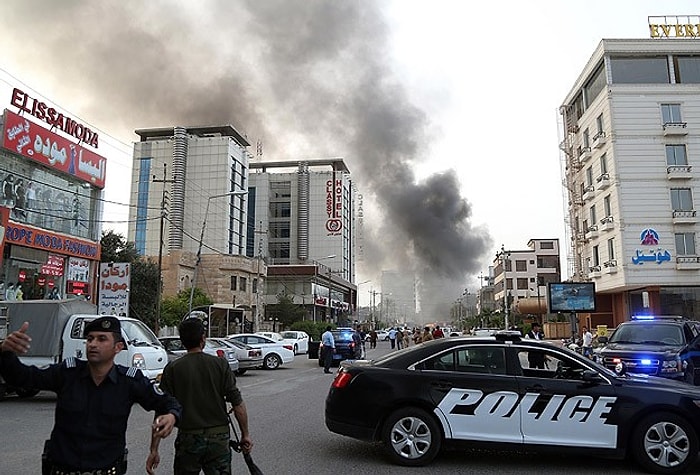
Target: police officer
{"type": "Point", "coordinates": [94, 400]}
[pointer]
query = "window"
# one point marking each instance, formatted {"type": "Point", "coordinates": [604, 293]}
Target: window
{"type": "Point", "coordinates": [280, 210]}
{"type": "Point", "coordinates": [640, 70]}
{"type": "Point", "coordinates": [606, 206]}
{"type": "Point", "coordinates": [509, 265]}
{"type": "Point", "coordinates": [279, 229]}
{"type": "Point", "coordinates": [522, 283]}
{"type": "Point", "coordinates": [547, 245]}
{"type": "Point", "coordinates": [234, 279]}
{"type": "Point", "coordinates": [671, 113]}
{"type": "Point", "coordinates": [596, 256]}
{"type": "Point", "coordinates": [520, 266]}
{"type": "Point", "coordinates": [489, 359]}
{"type": "Point", "coordinates": [585, 225]}
{"type": "Point", "coordinates": [589, 176]}
{"type": "Point", "coordinates": [586, 140]}
{"type": "Point", "coordinates": [611, 249]}
{"type": "Point", "coordinates": [255, 286]}
{"type": "Point", "coordinates": [595, 85]}
{"type": "Point", "coordinates": [603, 164]}
{"type": "Point", "coordinates": [681, 199]}
{"type": "Point", "coordinates": [544, 364]}
{"type": "Point", "coordinates": [675, 155]}
{"type": "Point", "coordinates": [509, 283]}
{"type": "Point", "coordinates": [685, 244]}
{"type": "Point", "coordinates": [593, 217]}
{"type": "Point", "coordinates": [599, 126]}
{"type": "Point", "coordinates": [242, 284]}
{"type": "Point", "coordinates": [687, 69]}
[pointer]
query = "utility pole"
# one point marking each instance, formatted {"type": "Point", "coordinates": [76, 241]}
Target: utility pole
{"type": "Point", "coordinates": [159, 290]}
{"type": "Point", "coordinates": [256, 317]}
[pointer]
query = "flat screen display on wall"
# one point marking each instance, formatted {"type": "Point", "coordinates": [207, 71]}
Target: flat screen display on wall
{"type": "Point", "coordinates": [571, 297]}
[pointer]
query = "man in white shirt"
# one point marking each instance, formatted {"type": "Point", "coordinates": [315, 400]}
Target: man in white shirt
{"type": "Point", "coordinates": [587, 343]}
{"type": "Point", "coordinates": [392, 338]}
{"type": "Point", "coordinates": [328, 348]}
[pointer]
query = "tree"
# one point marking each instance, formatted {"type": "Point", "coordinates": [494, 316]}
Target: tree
{"type": "Point", "coordinates": [115, 248]}
{"type": "Point", "coordinates": [286, 310]}
{"type": "Point", "coordinates": [173, 309]}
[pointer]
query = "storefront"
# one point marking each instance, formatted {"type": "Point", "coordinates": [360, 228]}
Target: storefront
{"type": "Point", "coordinates": [50, 203]}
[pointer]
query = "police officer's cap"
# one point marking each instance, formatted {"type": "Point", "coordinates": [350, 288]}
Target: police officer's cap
{"type": "Point", "coordinates": [103, 324]}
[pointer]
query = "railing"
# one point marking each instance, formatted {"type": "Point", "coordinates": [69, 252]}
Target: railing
{"type": "Point", "coordinates": [592, 228]}
{"type": "Point", "coordinates": [604, 176]}
{"type": "Point", "coordinates": [599, 135]}
{"type": "Point", "coordinates": [675, 125]}
{"type": "Point", "coordinates": [684, 213]}
{"type": "Point", "coordinates": [594, 269]}
{"type": "Point", "coordinates": [687, 259]}
{"type": "Point", "coordinates": [606, 220]}
{"type": "Point", "coordinates": [679, 169]}
{"type": "Point", "coordinates": [610, 263]}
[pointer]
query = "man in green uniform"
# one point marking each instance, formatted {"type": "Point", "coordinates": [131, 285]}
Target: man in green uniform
{"type": "Point", "coordinates": [203, 384]}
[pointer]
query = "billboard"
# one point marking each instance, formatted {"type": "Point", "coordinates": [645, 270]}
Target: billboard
{"type": "Point", "coordinates": [113, 293]}
{"type": "Point", "coordinates": [571, 296]}
{"type": "Point", "coordinates": [41, 145]}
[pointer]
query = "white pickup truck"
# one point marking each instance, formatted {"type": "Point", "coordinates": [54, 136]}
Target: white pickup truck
{"type": "Point", "coordinates": [56, 328]}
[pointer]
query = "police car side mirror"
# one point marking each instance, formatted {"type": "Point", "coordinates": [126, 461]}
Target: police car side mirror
{"type": "Point", "coordinates": [602, 339]}
{"type": "Point", "coordinates": [591, 376]}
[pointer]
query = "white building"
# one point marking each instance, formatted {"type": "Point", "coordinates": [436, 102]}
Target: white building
{"type": "Point", "coordinates": [631, 154]}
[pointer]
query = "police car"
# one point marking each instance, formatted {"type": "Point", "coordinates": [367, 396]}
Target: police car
{"type": "Point", "coordinates": [505, 391]}
{"type": "Point", "coordinates": [666, 346]}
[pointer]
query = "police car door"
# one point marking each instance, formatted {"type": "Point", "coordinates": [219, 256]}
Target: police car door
{"type": "Point", "coordinates": [475, 397]}
{"type": "Point", "coordinates": [557, 407]}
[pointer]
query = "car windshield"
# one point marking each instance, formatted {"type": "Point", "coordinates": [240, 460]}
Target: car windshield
{"type": "Point", "coordinates": [138, 334]}
{"type": "Point", "coordinates": [289, 335]}
{"type": "Point", "coordinates": [649, 333]}
{"type": "Point", "coordinates": [342, 335]}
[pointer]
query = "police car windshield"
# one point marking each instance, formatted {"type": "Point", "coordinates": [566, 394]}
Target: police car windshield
{"type": "Point", "coordinates": [138, 334]}
{"type": "Point", "coordinates": [648, 333]}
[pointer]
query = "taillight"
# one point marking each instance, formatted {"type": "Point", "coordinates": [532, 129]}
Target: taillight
{"type": "Point", "coordinates": [289, 347]}
{"type": "Point", "coordinates": [341, 380]}
{"type": "Point", "coordinates": [220, 354]}
{"type": "Point", "coordinates": [352, 345]}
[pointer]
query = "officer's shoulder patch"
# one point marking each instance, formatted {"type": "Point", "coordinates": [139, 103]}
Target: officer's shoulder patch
{"type": "Point", "coordinates": [128, 371]}
{"type": "Point", "coordinates": [71, 362]}
{"type": "Point", "coordinates": [156, 388]}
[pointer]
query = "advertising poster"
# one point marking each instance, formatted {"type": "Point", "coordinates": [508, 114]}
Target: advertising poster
{"type": "Point", "coordinates": [113, 291]}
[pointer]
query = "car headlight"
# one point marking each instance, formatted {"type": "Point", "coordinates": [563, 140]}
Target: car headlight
{"type": "Point", "coordinates": [671, 366]}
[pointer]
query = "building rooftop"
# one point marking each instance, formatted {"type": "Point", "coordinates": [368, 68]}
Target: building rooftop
{"type": "Point", "coordinates": [205, 131]}
{"type": "Point", "coordinates": [336, 163]}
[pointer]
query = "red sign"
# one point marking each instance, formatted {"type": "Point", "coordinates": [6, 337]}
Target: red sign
{"type": "Point", "coordinates": [41, 239]}
{"type": "Point", "coordinates": [53, 266]}
{"type": "Point", "coordinates": [78, 288]}
{"type": "Point", "coordinates": [51, 284]}
{"type": "Point", "coordinates": [41, 281]}
{"type": "Point", "coordinates": [22, 276]}
{"type": "Point", "coordinates": [41, 145]}
{"type": "Point", "coordinates": [51, 116]}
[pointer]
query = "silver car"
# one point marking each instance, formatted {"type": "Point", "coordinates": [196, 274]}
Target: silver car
{"type": "Point", "coordinates": [175, 349]}
{"type": "Point", "coordinates": [248, 357]}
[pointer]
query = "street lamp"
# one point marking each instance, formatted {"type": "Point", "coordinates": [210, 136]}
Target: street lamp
{"type": "Point", "coordinates": [505, 255]}
{"type": "Point", "coordinates": [201, 240]}
{"type": "Point", "coordinates": [313, 291]}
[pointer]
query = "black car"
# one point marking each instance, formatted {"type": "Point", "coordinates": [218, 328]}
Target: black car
{"type": "Point", "coordinates": [665, 346]}
{"type": "Point", "coordinates": [484, 392]}
{"type": "Point", "coordinates": [345, 347]}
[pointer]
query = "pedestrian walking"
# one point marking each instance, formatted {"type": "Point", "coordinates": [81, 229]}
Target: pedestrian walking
{"type": "Point", "coordinates": [203, 384]}
{"type": "Point", "coordinates": [373, 339]}
{"type": "Point", "coordinates": [392, 337]}
{"type": "Point", "coordinates": [94, 399]}
{"type": "Point", "coordinates": [587, 342]}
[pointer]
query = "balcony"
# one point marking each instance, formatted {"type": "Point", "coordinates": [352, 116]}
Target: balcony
{"type": "Point", "coordinates": [594, 272]}
{"type": "Point", "coordinates": [603, 181]}
{"type": "Point", "coordinates": [584, 154]}
{"type": "Point", "coordinates": [588, 193]}
{"type": "Point", "coordinates": [685, 217]}
{"type": "Point", "coordinates": [591, 232]}
{"type": "Point", "coordinates": [607, 224]}
{"type": "Point", "coordinates": [610, 266]}
{"type": "Point", "coordinates": [679, 172]}
{"type": "Point", "coordinates": [675, 129]}
{"type": "Point", "coordinates": [599, 139]}
{"type": "Point", "coordinates": [687, 262]}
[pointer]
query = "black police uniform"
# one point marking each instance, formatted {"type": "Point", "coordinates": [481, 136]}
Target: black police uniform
{"type": "Point", "coordinates": [89, 433]}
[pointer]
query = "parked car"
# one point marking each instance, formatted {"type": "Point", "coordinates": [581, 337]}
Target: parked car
{"type": "Point", "coordinates": [299, 341]}
{"type": "Point", "coordinates": [275, 353]}
{"type": "Point", "coordinates": [271, 335]}
{"type": "Point", "coordinates": [175, 349]}
{"type": "Point", "coordinates": [482, 392]}
{"type": "Point", "coordinates": [382, 335]}
{"type": "Point", "coordinates": [248, 357]}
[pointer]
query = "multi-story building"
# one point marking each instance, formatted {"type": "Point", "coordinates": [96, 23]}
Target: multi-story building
{"type": "Point", "coordinates": [631, 144]}
{"type": "Point", "coordinates": [521, 276]}
{"type": "Point", "coordinates": [301, 220]}
{"type": "Point", "coordinates": [189, 185]}
{"type": "Point", "coordinates": [52, 178]}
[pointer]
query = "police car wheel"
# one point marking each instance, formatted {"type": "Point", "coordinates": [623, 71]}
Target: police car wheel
{"type": "Point", "coordinates": [411, 437]}
{"type": "Point", "coordinates": [272, 362]}
{"type": "Point", "coordinates": [664, 443]}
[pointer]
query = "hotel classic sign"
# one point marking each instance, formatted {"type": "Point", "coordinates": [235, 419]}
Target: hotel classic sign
{"type": "Point", "coordinates": [674, 26]}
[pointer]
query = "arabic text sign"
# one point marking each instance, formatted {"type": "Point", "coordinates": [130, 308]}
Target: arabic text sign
{"type": "Point", "coordinates": [113, 291]}
{"type": "Point", "coordinates": [39, 144]}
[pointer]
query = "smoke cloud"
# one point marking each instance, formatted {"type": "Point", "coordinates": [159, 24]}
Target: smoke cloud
{"type": "Point", "coordinates": [310, 78]}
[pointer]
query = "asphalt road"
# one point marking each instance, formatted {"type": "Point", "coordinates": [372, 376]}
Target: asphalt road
{"type": "Point", "coordinates": [285, 407]}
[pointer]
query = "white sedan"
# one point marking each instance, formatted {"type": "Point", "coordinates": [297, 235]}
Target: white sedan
{"type": "Point", "coordinates": [275, 353]}
{"type": "Point", "coordinates": [382, 335]}
{"type": "Point", "coordinates": [298, 340]}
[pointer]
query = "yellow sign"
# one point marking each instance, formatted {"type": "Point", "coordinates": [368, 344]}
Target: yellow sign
{"type": "Point", "coordinates": [684, 26]}
{"type": "Point", "coordinates": [602, 330]}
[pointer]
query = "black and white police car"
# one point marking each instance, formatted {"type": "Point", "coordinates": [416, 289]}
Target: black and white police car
{"type": "Point", "coordinates": [509, 392]}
